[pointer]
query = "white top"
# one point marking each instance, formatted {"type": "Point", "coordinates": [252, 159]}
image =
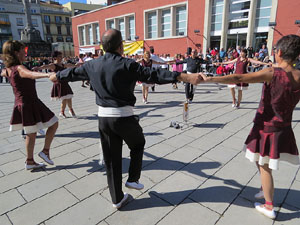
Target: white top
{"type": "Point", "coordinates": [124, 111]}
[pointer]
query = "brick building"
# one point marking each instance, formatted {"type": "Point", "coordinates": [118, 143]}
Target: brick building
{"type": "Point", "coordinates": [171, 26]}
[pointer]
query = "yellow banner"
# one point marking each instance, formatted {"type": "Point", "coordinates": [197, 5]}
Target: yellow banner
{"type": "Point", "coordinates": [132, 48]}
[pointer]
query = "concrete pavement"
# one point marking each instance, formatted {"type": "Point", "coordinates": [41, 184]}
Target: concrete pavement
{"type": "Point", "coordinates": [194, 175]}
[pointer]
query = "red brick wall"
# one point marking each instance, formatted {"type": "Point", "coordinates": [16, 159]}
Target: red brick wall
{"type": "Point", "coordinates": [288, 12]}
{"type": "Point", "coordinates": [174, 45]}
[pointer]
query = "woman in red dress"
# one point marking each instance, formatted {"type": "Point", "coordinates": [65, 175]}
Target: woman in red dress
{"type": "Point", "coordinates": [61, 90]}
{"type": "Point", "coordinates": [241, 68]}
{"type": "Point", "coordinates": [29, 111]}
{"type": "Point", "coordinates": [272, 138]}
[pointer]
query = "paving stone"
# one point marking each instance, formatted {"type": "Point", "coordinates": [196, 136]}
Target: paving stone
{"type": "Point", "coordinates": [19, 178]}
{"type": "Point", "coordinates": [191, 213]}
{"type": "Point", "coordinates": [220, 154]}
{"type": "Point", "coordinates": [4, 220]}
{"type": "Point", "coordinates": [149, 206]}
{"type": "Point", "coordinates": [243, 207]}
{"type": "Point", "coordinates": [10, 200]}
{"type": "Point", "coordinates": [45, 184]}
{"type": "Point", "coordinates": [215, 195]}
{"type": "Point", "coordinates": [293, 197]}
{"type": "Point", "coordinates": [8, 157]}
{"type": "Point", "coordinates": [288, 215]}
{"type": "Point", "coordinates": [202, 168]}
{"type": "Point", "coordinates": [91, 184]}
{"type": "Point", "coordinates": [46, 206]}
{"type": "Point", "coordinates": [175, 188]}
{"type": "Point", "coordinates": [89, 211]}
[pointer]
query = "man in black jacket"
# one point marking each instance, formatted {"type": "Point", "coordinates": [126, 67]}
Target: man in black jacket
{"type": "Point", "coordinates": [113, 79]}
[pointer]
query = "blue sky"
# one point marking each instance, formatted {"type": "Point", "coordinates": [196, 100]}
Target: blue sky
{"type": "Point", "coordinates": [65, 1]}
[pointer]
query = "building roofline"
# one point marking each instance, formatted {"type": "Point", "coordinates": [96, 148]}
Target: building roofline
{"type": "Point", "coordinates": [109, 6]}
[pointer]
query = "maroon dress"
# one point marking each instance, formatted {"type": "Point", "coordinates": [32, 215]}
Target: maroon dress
{"type": "Point", "coordinates": [272, 138]}
{"type": "Point", "coordinates": [241, 68]}
{"type": "Point", "coordinates": [147, 64]}
{"type": "Point", "coordinates": [61, 89]}
{"type": "Point", "coordinates": [29, 111]}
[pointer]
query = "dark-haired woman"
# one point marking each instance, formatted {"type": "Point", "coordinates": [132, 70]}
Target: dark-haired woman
{"type": "Point", "coordinates": [29, 112]}
{"type": "Point", "coordinates": [241, 68]}
{"type": "Point", "coordinates": [61, 90]}
{"type": "Point", "coordinates": [272, 139]}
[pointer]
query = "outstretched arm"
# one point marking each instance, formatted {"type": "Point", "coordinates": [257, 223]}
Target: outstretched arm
{"type": "Point", "coordinates": [44, 67]}
{"type": "Point", "coordinates": [229, 62]}
{"type": "Point", "coordinates": [258, 62]}
{"type": "Point", "coordinates": [25, 73]}
{"type": "Point", "coordinates": [264, 75]}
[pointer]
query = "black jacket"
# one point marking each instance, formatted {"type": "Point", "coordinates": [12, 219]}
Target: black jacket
{"type": "Point", "coordinates": [113, 78]}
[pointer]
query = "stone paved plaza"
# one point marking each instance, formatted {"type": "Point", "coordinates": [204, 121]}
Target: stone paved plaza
{"type": "Point", "coordinates": [196, 175]}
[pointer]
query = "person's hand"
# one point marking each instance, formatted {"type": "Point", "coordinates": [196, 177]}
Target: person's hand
{"type": "Point", "coordinates": [36, 68]}
{"type": "Point", "coordinates": [203, 76]}
{"type": "Point", "coordinates": [52, 77]}
{"type": "Point", "coordinates": [194, 78]}
{"type": "Point", "coordinates": [3, 72]}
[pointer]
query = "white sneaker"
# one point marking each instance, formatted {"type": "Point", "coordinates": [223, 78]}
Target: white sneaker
{"type": "Point", "coordinates": [233, 105]}
{"type": "Point", "coordinates": [134, 185]}
{"type": "Point", "coordinates": [72, 115]}
{"type": "Point", "coordinates": [262, 209]}
{"type": "Point", "coordinates": [122, 202]}
{"type": "Point", "coordinates": [45, 158]}
{"type": "Point", "coordinates": [35, 166]}
{"type": "Point", "coordinates": [62, 115]}
{"type": "Point", "coordinates": [259, 195]}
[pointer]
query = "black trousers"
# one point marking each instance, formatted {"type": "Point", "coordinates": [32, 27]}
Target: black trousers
{"type": "Point", "coordinates": [113, 130]}
{"type": "Point", "coordinates": [189, 91]}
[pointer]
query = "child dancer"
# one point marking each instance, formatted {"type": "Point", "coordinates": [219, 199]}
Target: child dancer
{"type": "Point", "coordinates": [241, 68]}
{"type": "Point", "coordinates": [29, 112]}
{"type": "Point", "coordinates": [271, 138]}
{"type": "Point", "coordinates": [61, 89]}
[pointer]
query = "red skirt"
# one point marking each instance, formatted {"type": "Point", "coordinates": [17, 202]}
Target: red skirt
{"type": "Point", "coordinates": [61, 90]}
{"type": "Point", "coordinates": [269, 145]}
{"type": "Point", "coordinates": [31, 117]}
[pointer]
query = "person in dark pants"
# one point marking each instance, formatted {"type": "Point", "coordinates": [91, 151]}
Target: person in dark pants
{"type": "Point", "coordinates": [113, 78]}
{"type": "Point", "coordinates": [193, 66]}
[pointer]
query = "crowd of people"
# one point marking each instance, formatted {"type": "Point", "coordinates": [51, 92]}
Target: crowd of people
{"type": "Point", "coordinates": [113, 76]}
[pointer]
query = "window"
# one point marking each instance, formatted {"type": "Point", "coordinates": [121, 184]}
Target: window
{"type": "Point", "coordinates": [60, 39]}
{"type": "Point", "coordinates": [2, 9]}
{"type": "Point", "coordinates": [97, 32]}
{"type": "Point", "coordinates": [90, 39]}
{"type": "Point", "coordinates": [4, 19]}
{"type": "Point", "coordinates": [47, 19]}
{"type": "Point", "coordinates": [68, 30]}
{"type": "Point", "coordinates": [239, 12]}
{"type": "Point", "coordinates": [33, 10]}
{"type": "Point", "coordinates": [89, 34]}
{"type": "Point", "coordinates": [58, 19]}
{"type": "Point", "coordinates": [131, 23]}
{"type": "Point", "coordinates": [67, 20]}
{"type": "Point", "coordinates": [166, 22]}
{"type": "Point", "coordinates": [48, 29]}
{"type": "Point", "coordinates": [69, 39]}
{"type": "Point", "coordinates": [81, 32]}
{"type": "Point", "coordinates": [110, 24]}
{"type": "Point", "coordinates": [20, 22]}
{"type": "Point", "coordinates": [263, 13]}
{"type": "Point", "coordinates": [181, 20]}
{"type": "Point", "coordinates": [121, 27]}
{"type": "Point", "coordinates": [49, 39]}
{"type": "Point", "coordinates": [19, 32]}
{"type": "Point", "coordinates": [58, 29]}
{"type": "Point", "coordinates": [152, 25]}
{"type": "Point", "coordinates": [34, 22]}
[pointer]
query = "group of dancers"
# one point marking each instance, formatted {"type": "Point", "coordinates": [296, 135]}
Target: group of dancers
{"type": "Point", "coordinates": [271, 139]}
